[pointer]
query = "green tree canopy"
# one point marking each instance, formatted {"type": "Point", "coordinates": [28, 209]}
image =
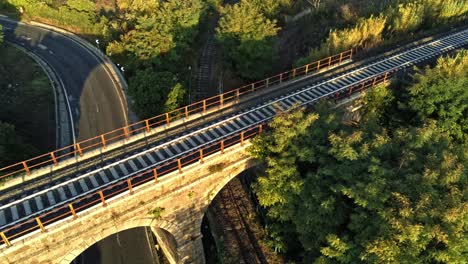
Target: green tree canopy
{"type": "Point", "coordinates": [247, 37]}
{"type": "Point", "coordinates": [441, 93]}
{"type": "Point", "coordinates": [155, 92]}
{"type": "Point", "coordinates": [369, 191]}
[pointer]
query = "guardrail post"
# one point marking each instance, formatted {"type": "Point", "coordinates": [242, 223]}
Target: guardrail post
{"type": "Point", "coordinates": [5, 239]}
{"type": "Point", "coordinates": [221, 100]}
{"type": "Point", "coordinates": [385, 77]}
{"type": "Point", "coordinates": [375, 81]}
{"type": "Point", "coordinates": [147, 125]}
{"type": "Point", "coordinates": [130, 187]}
{"type": "Point", "coordinates": [80, 151]}
{"type": "Point", "coordinates": [260, 128]}
{"type": "Point", "coordinates": [125, 130]}
{"type": "Point", "coordinates": [155, 175]}
{"type": "Point", "coordinates": [72, 210]}
{"type": "Point", "coordinates": [26, 168]}
{"type": "Point", "coordinates": [52, 155]}
{"type": "Point", "coordinates": [242, 138]}
{"type": "Point", "coordinates": [281, 78]}
{"type": "Point", "coordinates": [253, 87]}
{"type": "Point", "coordinates": [103, 199]}
{"type": "Point", "coordinates": [351, 55]}
{"type": "Point", "coordinates": [204, 106]}
{"type": "Point", "coordinates": [307, 69]}
{"type": "Point", "coordinates": [201, 156]}
{"type": "Point", "coordinates": [294, 73]}
{"type": "Point", "coordinates": [363, 86]}
{"type": "Point", "coordinates": [222, 146]}
{"type": "Point", "coordinates": [179, 165]}
{"type": "Point", "coordinates": [318, 65]}
{"type": "Point", "coordinates": [329, 61]}
{"type": "Point", "coordinates": [237, 94]}
{"type": "Point", "coordinates": [103, 141]}
{"type": "Point", "coordinates": [39, 223]}
{"type": "Point", "coordinates": [350, 91]}
{"type": "Point", "coordinates": [341, 57]}
{"type": "Point", "coordinates": [168, 119]}
{"type": "Point", "coordinates": [186, 112]}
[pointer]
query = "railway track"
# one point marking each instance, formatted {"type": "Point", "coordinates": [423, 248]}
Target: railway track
{"type": "Point", "coordinates": [19, 212]}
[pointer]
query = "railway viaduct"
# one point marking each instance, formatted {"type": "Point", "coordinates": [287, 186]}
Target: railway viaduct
{"type": "Point", "coordinates": [166, 180]}
{"type": "Point", "coordinates": [182, 197]}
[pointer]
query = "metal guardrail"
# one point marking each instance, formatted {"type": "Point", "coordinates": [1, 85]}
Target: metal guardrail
{"type": "Point", "coordinates": [23, 168]}
{"type": "Point", "coordinates": [100, 197]}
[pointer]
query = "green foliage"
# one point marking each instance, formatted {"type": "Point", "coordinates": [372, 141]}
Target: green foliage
{"type": "Point", "coordinates": [441, 93]}
{"type": "Point", "coordinates": [12, 146]}
{"type": "Point", "coordinates": [157, 212]}
{"type": "Point", "coordinates": [247, 37]}
{"type": "Point", "coordinates": [1, 35]}
{"type": "Point", "coordinates": [408, 17]}
{"type": "Point", "coordinates": [155, 92]}
{"type": "Point", "coordinates": [215, 168]}
{"type": "Point", "coordinates": [367, 193]}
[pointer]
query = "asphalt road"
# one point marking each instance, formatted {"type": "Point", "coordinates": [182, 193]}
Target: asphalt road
{"type": "Point", "coordinates": [96, 107]}
{"type": "Point", "coordinates": [95, 101]}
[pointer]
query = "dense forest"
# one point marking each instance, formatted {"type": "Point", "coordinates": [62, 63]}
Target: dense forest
{"type": "Point", "coordinates": [389, 187]}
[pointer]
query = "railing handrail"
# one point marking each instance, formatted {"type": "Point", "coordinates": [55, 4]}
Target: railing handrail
{"type": "Point", "coordinates": [175, 164]}
{"type": "Point", "coordinates": [231, 96]}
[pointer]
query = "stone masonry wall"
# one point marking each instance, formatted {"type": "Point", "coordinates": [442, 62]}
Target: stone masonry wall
{"type": "Point", "coordinates": [184, 196]}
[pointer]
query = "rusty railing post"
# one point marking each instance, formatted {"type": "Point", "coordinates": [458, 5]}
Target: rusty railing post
{"type": "Point", "coordinates": [204, 106]}
{"type": "Point", "coordinates": [147, 126]}
{"type": "Point", "coordinates": [385, 77]}
{"type": "Point", "coordinates": [329, 61]}
{"type": "Point", "coordinates": [267, 82]}
{"type": "Point", "coordinates": [318, 65]}
{"type": "Point", "coordinates": [72, 210]}
{"type": "Point", "coordinates": [52, 155]}
{"type": "Point", "coordinates": [155, 175]}
{"type": "Point", "coordinates": [5, 239]}
{"type": "Point", "coordinates": [351, 55]}
{"type": "Point", "coordinates": [222, 146]}
{"type": "Point", "coordinates": [341, 57]}
{"type": "Point", "coordinates": [242, 138]}
{"type": "Point", "coordinates": [39, 223]}
{"type": "Point", "coordinates": [125, 130]}
{"type": "Point", "coordinates": [103, 199]}
{"type": "Point", "coordinates": [253, 87]}
{"type": "Point", "coordinates": [294, 73]}
{"type": "Point", "coordinates": [179, 165]}
{"type": "Point", "coordinates": [103, 141]}
{"type": "Point", "coordinates": [260, 128]}
{"type": "Point", "coordinates": [168, 119]}
{"type": "Point", "coordinates": [130, 187]}
{"type": "Point", "coordinates": [281, 78]}
{"type": "Point", "coordinates": [307, 69]}
{"type": "Point", "coordinates": [201, 156]}
{"type": "Point", "coordinates": [80, 151]}
{"type": "Point", "coordinates": [26, 168]}
{"type": "Point", "coordinates": [221, 100]}
{"type": "Point", "coordinates": [186, 112]}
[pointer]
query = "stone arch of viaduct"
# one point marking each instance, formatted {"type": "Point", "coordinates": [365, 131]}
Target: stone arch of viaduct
{"type": "Point", "coordinates": [184, 196]}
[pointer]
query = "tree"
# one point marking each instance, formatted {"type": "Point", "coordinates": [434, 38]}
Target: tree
{"type": "Point", "coordinates": [1, 35]}
{"type": "Point", "coordinates": [155, 92]}
{"type": "Point", "coordinates": [440, 93]}
{"type": "Point", "coordinates": [371, 192]}
{"type": "Point", "coordinates": [247, 37]}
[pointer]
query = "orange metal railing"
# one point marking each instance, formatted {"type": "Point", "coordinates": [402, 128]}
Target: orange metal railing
{"type": "Point", "coordinates": [101, 196]}
{"type": "Point", "coordinates": [145, 126]}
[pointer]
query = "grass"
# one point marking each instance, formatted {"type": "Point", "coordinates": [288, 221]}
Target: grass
{"type": "Point", "coordinates": [26, 99]}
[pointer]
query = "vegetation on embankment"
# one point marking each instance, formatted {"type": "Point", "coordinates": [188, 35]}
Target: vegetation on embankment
{"type": "Point", "coordinates": [394, 23]}
{"type": "Point", "coordinates": [27, 112]}
{"type": "Point", "coordinates": [390, 188]}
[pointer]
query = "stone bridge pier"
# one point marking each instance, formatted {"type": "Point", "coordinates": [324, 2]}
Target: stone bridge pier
{"type": "Point", "coordinates": [180, 200]}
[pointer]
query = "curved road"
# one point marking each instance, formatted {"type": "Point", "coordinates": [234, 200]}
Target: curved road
{"type": "Point", "coordinates": [96, 106]}
{"type": "Point", "coordinates": [95, 98]}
